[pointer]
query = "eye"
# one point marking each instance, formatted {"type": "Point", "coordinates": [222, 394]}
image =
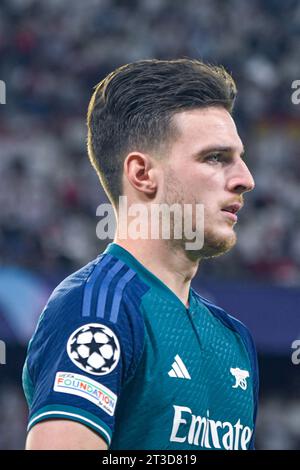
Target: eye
{"type": "Point", "coordinates": [214, 158]}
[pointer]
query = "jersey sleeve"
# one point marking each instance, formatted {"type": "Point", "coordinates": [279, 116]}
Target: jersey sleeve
{"type": "Point", "coordinates": [80, 357]}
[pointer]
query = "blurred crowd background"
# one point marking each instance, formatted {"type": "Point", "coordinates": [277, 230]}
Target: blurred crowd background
{"type": "Point", "coordinates": [52, 54]}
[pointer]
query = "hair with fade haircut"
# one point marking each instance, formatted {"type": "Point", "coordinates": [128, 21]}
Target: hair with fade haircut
{"type": "Point", "coordinates": [132, 109]}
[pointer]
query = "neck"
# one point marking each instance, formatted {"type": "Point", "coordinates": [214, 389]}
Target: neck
{"type": "Point", "coordinates": [171, 266]}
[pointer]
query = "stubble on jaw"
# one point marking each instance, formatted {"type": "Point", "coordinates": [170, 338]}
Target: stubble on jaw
{"type": "Point", "coordinates": [214, 243]}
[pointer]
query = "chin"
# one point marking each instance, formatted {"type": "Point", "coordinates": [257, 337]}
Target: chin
{"type": "Point", "coordinates": [216, 244]}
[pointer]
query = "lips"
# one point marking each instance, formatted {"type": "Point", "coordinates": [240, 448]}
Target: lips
{"type": "Point", "coordinates": [232, 208]}
{"type": "Point", "coordinates": [231, 211]}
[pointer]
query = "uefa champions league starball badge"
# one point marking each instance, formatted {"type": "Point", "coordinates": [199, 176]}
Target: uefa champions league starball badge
{"type": "Point", "coordinates": [94, 348]}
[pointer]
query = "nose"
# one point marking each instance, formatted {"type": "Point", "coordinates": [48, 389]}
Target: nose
{"type": "Point", "coordinates": [241, 180]}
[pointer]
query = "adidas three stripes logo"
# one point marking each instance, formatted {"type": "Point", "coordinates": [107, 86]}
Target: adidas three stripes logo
{"type": "Point", "coordinates": [97, 295]}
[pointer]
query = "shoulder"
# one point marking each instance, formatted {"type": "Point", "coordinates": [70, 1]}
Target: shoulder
{"type": "Point", "coordinates": [99, 290]}
{"type": "Point", "coordinates": [228, 320]}
{"type": "Point", "coordinates": [103, 296]}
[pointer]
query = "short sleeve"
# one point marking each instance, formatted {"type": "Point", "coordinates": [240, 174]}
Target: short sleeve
{"type": "Point", "coordinates": [79, 360]}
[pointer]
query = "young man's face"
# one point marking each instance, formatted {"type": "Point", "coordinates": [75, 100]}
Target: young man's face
{"type": "Point", "coordinates": [205, 166]}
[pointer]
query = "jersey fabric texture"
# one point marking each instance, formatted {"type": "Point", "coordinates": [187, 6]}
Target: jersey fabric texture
{"type": "Point", "coordinates": [116, 350]}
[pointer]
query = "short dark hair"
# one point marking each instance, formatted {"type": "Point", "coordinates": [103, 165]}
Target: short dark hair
{"type": "Point", "coordinates": [131, 109]}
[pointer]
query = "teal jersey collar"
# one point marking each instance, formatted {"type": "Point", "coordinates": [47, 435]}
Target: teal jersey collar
{"type": "Point", "coordinates": [147, 276]}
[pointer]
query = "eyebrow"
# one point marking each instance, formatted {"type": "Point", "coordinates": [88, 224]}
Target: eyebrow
{"type": "Point", "coordinates": [218, 149]}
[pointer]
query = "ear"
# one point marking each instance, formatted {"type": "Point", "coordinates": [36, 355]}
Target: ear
{"type": "Point", "coordinates": [140, 173]}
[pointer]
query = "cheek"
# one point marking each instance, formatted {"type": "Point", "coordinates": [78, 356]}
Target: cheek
{"type": "Point", "coordinates": [202, 191]}
{"type": "Point", "coordinates": [194, 184]}
{"type": "Point", "coordinates": [204, 178]}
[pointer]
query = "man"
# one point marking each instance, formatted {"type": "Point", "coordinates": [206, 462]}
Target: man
{"type": "Point", "coordinates": [126, 354]}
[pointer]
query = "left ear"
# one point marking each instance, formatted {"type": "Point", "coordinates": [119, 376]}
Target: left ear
{"type": "Point", "coordinates": [140, 172]}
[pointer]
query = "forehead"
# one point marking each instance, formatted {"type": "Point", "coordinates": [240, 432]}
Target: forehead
{"type": "Point", "coordinates": [200, 128]}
